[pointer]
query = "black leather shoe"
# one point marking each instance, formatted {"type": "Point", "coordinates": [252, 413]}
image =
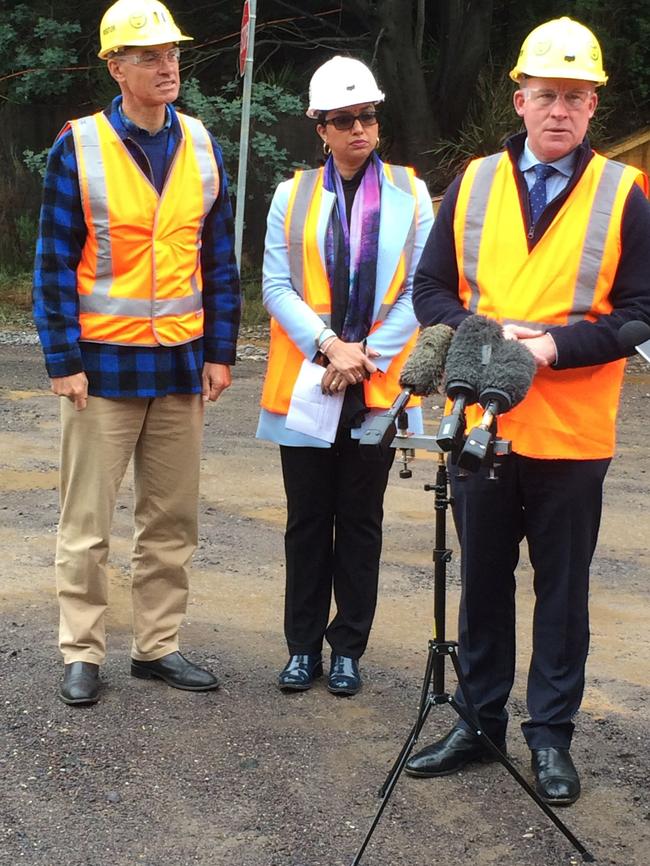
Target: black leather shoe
{"type": "Point", "coordinates": [452, 753]}
{"type": "Point", "coordinates": [175, 670]}
{"type": "Point", "coordinates": [80, 686]}
{"type": "Point", "coordinates": [344, 678]}
{"type": "Point", "coordinates": [300, 672]}
{"type": "Point", "coordinates": [556, 778]}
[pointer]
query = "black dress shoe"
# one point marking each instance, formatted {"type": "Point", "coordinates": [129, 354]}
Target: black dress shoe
{"type": "Point", "coordinates": [80, 686]}
{"type": "Point", "coordinates": [300, 672]}
{"type": "Point", "coordinates": [452, 753]}
{"type": "Point", "coordinates": [556, 778]}
{"type": "Point", "coordinates": [344, 678]}
{"type": "Point", "coordinates": [175, 670]}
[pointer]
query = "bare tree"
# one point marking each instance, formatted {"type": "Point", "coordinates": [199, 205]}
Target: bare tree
{"type": "Point", "coordinates": [423, 105]}
{"type": "Point", "coordinates": [464, 29]}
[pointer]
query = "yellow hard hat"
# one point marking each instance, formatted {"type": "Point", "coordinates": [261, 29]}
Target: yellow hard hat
{"type": "Point", "coordinates": [139, 23]}
{"type": "Point", "coordinates": [562, 48]}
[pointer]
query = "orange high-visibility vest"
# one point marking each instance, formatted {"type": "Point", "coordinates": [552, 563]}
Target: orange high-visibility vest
{"type": "Point", "coordinates": [139, 278]}
{"type": "Point", "coordinates": [567, 277]}
{"type": "Point", "coordinates": [309, 279]}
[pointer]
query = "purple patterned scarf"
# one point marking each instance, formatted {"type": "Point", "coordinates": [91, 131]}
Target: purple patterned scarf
{"type": "Point", "coordinates": [360, 240]}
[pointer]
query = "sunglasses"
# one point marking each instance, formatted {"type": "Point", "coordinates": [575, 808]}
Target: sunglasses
{"type": "Point", "coordinates": [346, 121]}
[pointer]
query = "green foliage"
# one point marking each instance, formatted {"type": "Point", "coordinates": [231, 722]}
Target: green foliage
{"type": "Point", "coordinates": [15, 300]}
{"type": "Point", "coordinates": [36, 162]}
{"type": "Point", "coordinates": [268, 162]}
{"type": "Point", "coordinates": [39, 46]}
{"type": "Point", "coordinates": [253, 312]}
{"type": "Point", "coordinates": [26, 233]}
{"type": "Point", "coordinates": [17, 223]}
{"type": "Point", "coordinates": [490, 120]}
{"type": "Point", "coordinates": [624, 35]}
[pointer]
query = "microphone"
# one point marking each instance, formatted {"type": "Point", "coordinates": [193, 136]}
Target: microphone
{"type": "Point", "coordinates": [470, 350]}
{"type": "Point", "coordinates": [635, 335]}
{"type": "Point", "coordinates": [505, 383]}
{"type": "Point", "coordinates": [421, 375]}
{"type": "Point", "coordinates": [425, 367]}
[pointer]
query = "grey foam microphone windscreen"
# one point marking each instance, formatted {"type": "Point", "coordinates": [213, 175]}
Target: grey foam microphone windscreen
{"type": "Point", "coordinates": [423, 371]}
{"type": "Point", "coordinates": [469, 353]}
{"type": "Point", "coordinates": [508, 376]}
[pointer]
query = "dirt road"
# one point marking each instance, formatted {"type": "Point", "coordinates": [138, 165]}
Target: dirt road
{"type": "Point", "coordinates": [248, 776]}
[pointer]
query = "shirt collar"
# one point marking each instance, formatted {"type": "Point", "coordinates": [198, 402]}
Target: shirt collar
{"type": "Point", "coordinates": [132, 128]}
{"type": "Point", "coordinates": [565, 165]}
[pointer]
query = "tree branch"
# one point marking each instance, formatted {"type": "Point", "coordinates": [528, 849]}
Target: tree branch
{"type": "Point", "coordinates": [308, 15]}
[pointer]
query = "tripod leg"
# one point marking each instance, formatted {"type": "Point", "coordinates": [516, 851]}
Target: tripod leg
{"type": "Point", "coordinates": [423, 711]}
{"type": "Point", "coordinates": [470, 716]}
{"type": "Point", "coordinates": [393, 776]}
{"type": "Point", "coordinates": [386, 790]}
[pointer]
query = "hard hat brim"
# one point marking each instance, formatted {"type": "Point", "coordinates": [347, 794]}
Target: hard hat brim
{"type": "Point", "coordinates": [314, 113]}
{"type": "Point", "coordinates": [178, 37]}
{"type": "Point", "coordinates": [518, 72]}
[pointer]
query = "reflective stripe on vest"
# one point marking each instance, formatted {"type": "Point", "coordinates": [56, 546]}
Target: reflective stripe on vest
{"type": "Point", "coordinates": [309, 279]}
{"type": "Point", "coordinates": [139, 278]}
{"type": "Point", "coordinates": [566, 278]}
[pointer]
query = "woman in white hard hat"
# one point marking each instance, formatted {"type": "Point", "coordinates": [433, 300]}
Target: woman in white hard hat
{"type": "Point", "coordinates": [341, 249]}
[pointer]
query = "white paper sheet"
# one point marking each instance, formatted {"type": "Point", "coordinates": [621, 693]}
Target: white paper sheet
{"type": "Point", "coordinates": [311, 411]}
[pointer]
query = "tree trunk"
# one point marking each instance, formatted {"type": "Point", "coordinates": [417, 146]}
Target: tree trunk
{"type": "Point", "coordinates": [408, 104]}
{"type": "Point", "coordinates": [464, 27]}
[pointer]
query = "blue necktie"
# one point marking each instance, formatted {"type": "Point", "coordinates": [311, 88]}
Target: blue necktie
{"type": "Point", "coordinates": [538, 190]}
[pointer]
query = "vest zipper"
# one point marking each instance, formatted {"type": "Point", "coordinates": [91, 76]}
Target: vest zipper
{"type": "Point", "coordinates": [147, 161]}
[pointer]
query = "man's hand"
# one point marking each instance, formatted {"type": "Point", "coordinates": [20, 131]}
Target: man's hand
{"type": "Point", "coordinates": [519, 332]}
{"type": "Point", "coordinates": [216, 378]}
{"type": "Point", "coordinates": [543, 349]}
{"type": "Point", "coordinates": [75, 388]}
{"type": "Point", "coordinates": [540, 344]}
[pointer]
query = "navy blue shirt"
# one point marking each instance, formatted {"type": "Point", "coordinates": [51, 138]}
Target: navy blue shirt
{"type": "Point", "coordinates": [155, 145]}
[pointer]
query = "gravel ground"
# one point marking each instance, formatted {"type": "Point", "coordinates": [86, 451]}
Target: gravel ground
{"type": "Point", "coordinates": [250, 776]}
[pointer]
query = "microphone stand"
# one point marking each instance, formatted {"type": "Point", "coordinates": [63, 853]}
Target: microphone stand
{"type": "Point", "coordinates": [433, 691]}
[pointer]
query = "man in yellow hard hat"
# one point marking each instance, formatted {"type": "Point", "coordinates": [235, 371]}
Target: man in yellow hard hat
{"type": "Point", "coordinates": [553, 241]}
{"type": "Point", "coordinates": [137, 303]}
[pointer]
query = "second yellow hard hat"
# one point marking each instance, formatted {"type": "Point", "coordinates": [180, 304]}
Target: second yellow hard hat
{"type": "Point", "coordinates": [561, 48]}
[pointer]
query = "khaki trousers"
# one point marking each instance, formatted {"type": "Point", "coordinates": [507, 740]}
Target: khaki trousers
{"type": "Point", "coordinates": [163, 435]}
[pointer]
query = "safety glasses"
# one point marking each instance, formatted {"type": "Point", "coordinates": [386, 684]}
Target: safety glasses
{"type": "Point", "coordinates": [544, 97]}
{"type": "Point", "coordinates": [152, 59]}
{"type": "Point", "coordinates": [346, 121]}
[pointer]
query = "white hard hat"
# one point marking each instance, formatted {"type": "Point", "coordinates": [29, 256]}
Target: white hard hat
{"type": "Point", "coordinates": [339, 82]}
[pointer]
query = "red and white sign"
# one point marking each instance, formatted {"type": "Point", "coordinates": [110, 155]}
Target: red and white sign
{"type": "Point", "coordinates": [245, 30]}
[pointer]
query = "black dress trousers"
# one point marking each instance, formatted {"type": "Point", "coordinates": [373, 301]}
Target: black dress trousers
{"type": "Point", "coordinates": [556, 505]}
{"type": "Point", "coordinates": [332, 541]}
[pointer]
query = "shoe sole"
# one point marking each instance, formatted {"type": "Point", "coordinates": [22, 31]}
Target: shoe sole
{"type": "Point", "coordinates": [551, 802]}
{"type": "Point", "coordinates": [344, 692]}
{"type": "Point", "coordinates": [78, 702]}
{"type": "Point", "coordinates": [481, 759]}
{"type": "Point", "coordinates": [557, 801]}
{"type": "Point", "coordinates": [150, 675]}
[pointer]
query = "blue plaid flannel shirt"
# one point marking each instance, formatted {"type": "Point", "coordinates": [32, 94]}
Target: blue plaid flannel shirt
{"type": "Point", "coordinates": [128, 371]}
